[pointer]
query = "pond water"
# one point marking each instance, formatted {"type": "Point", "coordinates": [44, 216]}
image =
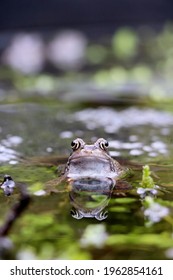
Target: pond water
{"type": "Point", "coordinates": [35, 140]}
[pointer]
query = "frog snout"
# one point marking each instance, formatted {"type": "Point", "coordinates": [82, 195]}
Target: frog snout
{"type": "Point", "coordinates": [89, 150]}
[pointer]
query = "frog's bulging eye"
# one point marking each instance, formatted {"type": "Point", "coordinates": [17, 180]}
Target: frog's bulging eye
{"type": "Point", "coordinates": [103, 144]}
{"type": "Point", "coordinates": [77, 143]}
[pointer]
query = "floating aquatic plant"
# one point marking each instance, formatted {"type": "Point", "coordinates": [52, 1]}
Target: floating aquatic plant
{"type": "Point", "coordinates": [147, 180]}
{"type": "Point", "coordinates": [147, 184]}
{"type": "Point", "coordinates": [154, 211]}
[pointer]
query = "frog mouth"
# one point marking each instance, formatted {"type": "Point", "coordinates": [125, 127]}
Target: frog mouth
{"type": "Point", "coordinates": [90, 155]}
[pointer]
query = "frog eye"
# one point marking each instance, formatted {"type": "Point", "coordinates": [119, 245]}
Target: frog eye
{"type": "Point", "coordinates": [103, 144]}
{"type": "Point", "coordinates": [77, 143]}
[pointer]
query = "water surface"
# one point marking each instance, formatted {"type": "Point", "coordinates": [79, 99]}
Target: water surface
{"type": "Point", "coordinates": [34, 134]}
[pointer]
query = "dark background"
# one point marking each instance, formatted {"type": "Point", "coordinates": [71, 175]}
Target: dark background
{"type": "Point", "coordinates": [82, 14]}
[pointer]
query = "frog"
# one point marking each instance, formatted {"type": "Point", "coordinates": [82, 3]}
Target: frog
{"type": "Point", "coordinates": [90, 177]}
{"type": "Point", "coordinates": [89, 162]}
{"type": "Point", "coordinates": [92, 160]}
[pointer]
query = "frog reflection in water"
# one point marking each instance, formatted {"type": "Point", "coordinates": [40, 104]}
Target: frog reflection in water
{"type": "Point", "coordinates": [92, 174]}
